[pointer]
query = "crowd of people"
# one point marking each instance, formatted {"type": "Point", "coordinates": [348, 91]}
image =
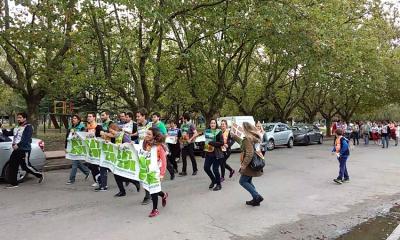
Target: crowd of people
{"type": "Point", "coordinates": [379, 132]}
{"type": "Point", "coordinates": [173, 142]}
{"type": "Point", "coordinates": [176, 141]}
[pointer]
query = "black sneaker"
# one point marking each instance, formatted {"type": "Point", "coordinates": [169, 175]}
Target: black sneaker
{"type": "Point", "coordinates": [182, 174]}
{"type": "Point", "coordinates": [250, 203]}
{"type": "Point", "coordinates": [194, 173]}
{"type": "Point", "coordinates": [172, 177]}
{"type": "Point", "coordinates": [146, 201]}
{"type": "Point", "coordinates": [120, 194]}
{"type": "Point", "coordinates": [211, 186]}
{"type": "Point", "coordinates": [41, 178]}
{"type": "Point", "coordinates": [346, 180]}
{"type": "Point", "coordinates": [217, 188]}
{"type": "Point", "coordinates": [101, 189]}
{"type": "Point", "coordinates": [338, 181]}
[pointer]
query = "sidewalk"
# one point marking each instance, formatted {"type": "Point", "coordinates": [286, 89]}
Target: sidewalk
{"type": "Point", "coordinates": [55, 160]}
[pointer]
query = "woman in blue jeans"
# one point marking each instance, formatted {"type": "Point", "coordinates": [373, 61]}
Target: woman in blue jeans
{"type": "Point", "coordinates": [250, 143]}
{"type": "Point", "coordinates": [76, 126]}
{"type": "Point", "coordinates": [213, 154]}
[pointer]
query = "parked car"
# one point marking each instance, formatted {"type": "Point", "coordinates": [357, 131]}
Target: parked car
{"type": "Point", "coordinates": [307, 134]}
{"type": "Point", "coordinates": [199, 143]}
{"type": "Point", "coordinates": [278, 134]}
{"type": "Point", "coordinates": [37, 157]}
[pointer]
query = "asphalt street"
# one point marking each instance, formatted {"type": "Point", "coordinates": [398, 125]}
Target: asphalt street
{"type": "Point", "coordinates": [301, 201]}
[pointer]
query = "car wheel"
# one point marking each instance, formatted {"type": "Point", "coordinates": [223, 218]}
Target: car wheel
{"type": "Point", "coordinates": [271, 145]}
{"type": "Point", "coordinates": [290, 143]}
{"type": "Point", "coordinates": [321, 140]}
{"type": "Point", "coordinates": [21, 174]}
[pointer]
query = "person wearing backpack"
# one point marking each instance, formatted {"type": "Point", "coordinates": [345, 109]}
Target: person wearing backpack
{"type": "Point", "coordinates": [342, 151]}
{"type": "Point", "coordinates": [250, 146]}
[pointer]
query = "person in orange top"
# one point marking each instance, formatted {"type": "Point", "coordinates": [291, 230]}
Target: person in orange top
{"type": "Point", "coordinates": [154, 138]}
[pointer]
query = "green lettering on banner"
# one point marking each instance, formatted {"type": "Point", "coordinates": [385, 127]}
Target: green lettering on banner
{"type": "Point", "coordinates": [94, 148]}
{"type": "Point", "coordinates": [123, 160]}
{"type": "Point", "coordinates": [110, 155]}
{"type": "Point", "coordinates": [77, 147]}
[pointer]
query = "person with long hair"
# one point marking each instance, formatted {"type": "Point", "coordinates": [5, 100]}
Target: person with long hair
{"type": "Point", "coordinates": [213, 154]}
{"type": "Point", "coordinates": [263, 136]}
{"type": "Point", "coordinates": [118, 136]}
{"type": "Point", "coordinates": [155, 139]}
{"type": "Point", "coordinates": [76, 126]}
{"type": "Point", "coordinates": [226, 149]}
{"type": "Point", "coordinates": [250, 145]}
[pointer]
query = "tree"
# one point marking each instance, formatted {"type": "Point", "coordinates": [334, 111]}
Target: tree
{"type": "Point", "coordinates": [35, 41]}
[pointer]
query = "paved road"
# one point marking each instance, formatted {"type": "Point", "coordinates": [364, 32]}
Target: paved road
{"type": "Point", "coordinates": [300, 201]}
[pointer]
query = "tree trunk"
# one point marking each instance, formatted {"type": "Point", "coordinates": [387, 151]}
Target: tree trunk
{"type": "Point", "coordinates": [32, 103]}
{"type": "Point", "coordinates": [328, 126]}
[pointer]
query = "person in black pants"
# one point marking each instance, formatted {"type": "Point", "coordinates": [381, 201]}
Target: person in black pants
{"type": "Point", "coordinates": [174, 147]}
{"type": "Point", "coordinates": [226, 149]}
{"type": "Point", "coordinates": [22, 149]}
{"type": "Point", "coordinates": [95, 129]}
{"type": "Point", "coordinates": [213, 154]}
{"type": "Point", "coordinates": [189, 134]}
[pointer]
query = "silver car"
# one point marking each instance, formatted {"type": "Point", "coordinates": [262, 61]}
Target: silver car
{"type": "Point", "coordinates": [278, 134]}
{"type": "Point", "coordinates": [37, 157]}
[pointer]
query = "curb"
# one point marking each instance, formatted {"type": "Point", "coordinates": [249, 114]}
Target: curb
{"type": "Point", "coordinates": [395, 234]}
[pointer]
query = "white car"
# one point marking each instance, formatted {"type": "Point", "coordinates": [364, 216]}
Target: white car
{"type": "Point", "coordinates": [278, 134]}
{"type": "Point", "coordinates": [37, 157]}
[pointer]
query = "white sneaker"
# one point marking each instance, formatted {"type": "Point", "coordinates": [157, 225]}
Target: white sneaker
{"type": "Point", "coordinates": [95, 184]}
{"type": "Point", "coordinates": [69, 183]}
{"type": "Point", "coordinates": [11, 186]}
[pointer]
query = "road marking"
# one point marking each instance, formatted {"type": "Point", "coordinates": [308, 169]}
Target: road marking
{"type": "Point", "coordinates": [395, 234]}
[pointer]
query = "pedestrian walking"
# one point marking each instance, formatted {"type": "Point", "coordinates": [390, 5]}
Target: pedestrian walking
{"type": "Point", "coordinates": [250, 145]}
{"type": "Point", "coordinates": [263, 136]}
{"type": "Point", "coordinates": [385, 131]}
{"type": "Point", "coordinates": [76, 126]}
{"type": "Point", "coordinates": [118, 136]}
{"type": "Point", "coordinates": [142, 129]}
{"type": "Point", "coordinates": [226, 150]}
{"type": "Point", "coordinates": [174, 147]}
{"type": "Point", "coordinates": [342, 151]}
{"type": "Point", "coordinates": [155, 139]}
{"type": "Point", "coordinates": [94, 129]}
{"type": "Point", "coordinates": [213, 154]}
{"type": "Point", "coordinates": [21, 144]}
{"type": "Point", "coordinates": [189, 134]}
{"type": "Point", "coordinates": [158, 123]}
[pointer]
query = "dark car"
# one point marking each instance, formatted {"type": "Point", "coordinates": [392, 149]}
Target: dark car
{"type": "Point", "coordinates": [307, 134]}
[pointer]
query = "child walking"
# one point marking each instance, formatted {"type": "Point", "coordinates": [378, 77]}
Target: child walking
{"type": "Point", "coordinates": [342, 151]}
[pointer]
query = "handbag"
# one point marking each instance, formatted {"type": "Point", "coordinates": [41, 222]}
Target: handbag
{"type": "Point", "coordinates": [257, 162]}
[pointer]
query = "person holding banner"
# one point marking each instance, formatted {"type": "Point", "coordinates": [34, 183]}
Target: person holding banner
{"type": "Point", "coordinates": [154, 139]}
{"type": "Point", "coordinates": [94, 130]}
{"type": "Point", "coordinates": [76, 126]}
{"type": "Point", "coordinates": [142, 127]}
{"type": "Point", "coordinates": [174, 147]}
{"type": "Point", "coordinates": [226, 149]}
{"type": "Point", "coordinates": [213, 154]}
{"type": "Point", "coordinates": [120, 137]}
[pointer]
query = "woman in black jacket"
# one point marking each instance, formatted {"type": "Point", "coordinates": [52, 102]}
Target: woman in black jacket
{"type": "Point", "coordinates": [213, 154]}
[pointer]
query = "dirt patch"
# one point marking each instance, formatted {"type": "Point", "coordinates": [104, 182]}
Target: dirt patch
{"type": "Point", "coordinates": [377, 228]}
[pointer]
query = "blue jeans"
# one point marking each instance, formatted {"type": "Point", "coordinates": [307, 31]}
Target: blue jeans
{"type": "Point", "coordinates": [385, 141]}
{"type": "Point", "coordinates": [246, 183]}
{"type": "Point", "coordinates": [75, 165]}
{"type": "Point", "coordinates": [343, 174]}
{"type": "Point", "coordinates": [366, 139]}
{"type": "Point", "coordinates": [214, 175]}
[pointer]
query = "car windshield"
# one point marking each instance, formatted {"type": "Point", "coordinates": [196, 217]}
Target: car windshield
{"type": "Point", "coordinates": [299, 127]}
{"type": "Point", "coordinates": [268, 127]}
